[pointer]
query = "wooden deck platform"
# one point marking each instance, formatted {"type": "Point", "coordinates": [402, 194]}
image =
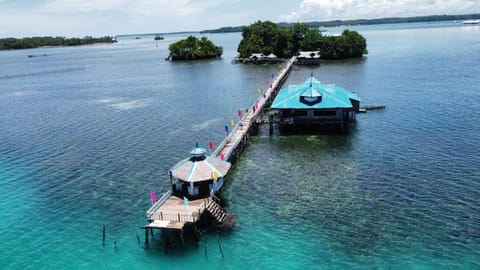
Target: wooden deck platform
{"type": "Point", "coordinates": [173, 214]}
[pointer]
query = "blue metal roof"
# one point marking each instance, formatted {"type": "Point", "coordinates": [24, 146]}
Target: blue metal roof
{"type": "Point", "coordinates": [331, 96]}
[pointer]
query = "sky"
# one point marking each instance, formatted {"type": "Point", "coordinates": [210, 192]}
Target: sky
{"type": "Point", "coordinates": [79, 18]}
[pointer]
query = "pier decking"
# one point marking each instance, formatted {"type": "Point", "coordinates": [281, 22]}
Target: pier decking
{"type": "Point", "coordinates": [171, 212]}
{"type": "Point", "coordinates": [240, 131]}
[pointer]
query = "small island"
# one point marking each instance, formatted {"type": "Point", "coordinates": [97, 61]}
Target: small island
{"type": "Point", "coordinates": [193, 48]}
{"type": "Point", "coordinates": [268, 38]}
{"type": "Point", "coordinates": [36, 42]}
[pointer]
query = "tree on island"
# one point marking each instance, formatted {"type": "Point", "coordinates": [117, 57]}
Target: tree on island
{"type": "Point", "coordinates": [266, 37]}
{"type": "Point", "coordinates": [193, 48]}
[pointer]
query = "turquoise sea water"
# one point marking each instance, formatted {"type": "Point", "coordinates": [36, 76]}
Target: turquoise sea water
{"type": "Point", "coordinates": [88, 132]}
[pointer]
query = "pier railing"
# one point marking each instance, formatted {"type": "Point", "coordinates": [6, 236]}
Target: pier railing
{"type": "Point", "coordinates": [253, 113]}
{"type": "Point", "coordinates": [159, 203]}
{"type": "Point", "coordinates": [179, 217]}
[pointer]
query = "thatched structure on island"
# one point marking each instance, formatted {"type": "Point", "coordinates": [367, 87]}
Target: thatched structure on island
{"type": "Point", "coordinates": [308, 58]}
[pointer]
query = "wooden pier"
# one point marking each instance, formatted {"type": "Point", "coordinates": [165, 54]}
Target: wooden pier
{"type": "Point", "coordinates": [171, 212]}
{"type": "Point", "coordinates": [237, 138]}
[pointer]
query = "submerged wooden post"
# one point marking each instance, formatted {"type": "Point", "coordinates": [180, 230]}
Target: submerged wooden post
{"type": "Point", "coordinates": [219, 245]}
{"type": "Point", "coordinates": [146, 235]}
{"type": "Point", "coordinates": [270, 125]}
{"type": "Point", "coordinates": [103, 235]}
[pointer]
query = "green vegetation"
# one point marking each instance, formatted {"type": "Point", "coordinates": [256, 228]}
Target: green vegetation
{"type": "Point", "coordinates": [433, 18]}
{"type": "Point", "coordinates": [193, 48]}
{"type": "Point", "coordinates": [267, 37]}
{"type": "Point", "coordinates": [35, 42]}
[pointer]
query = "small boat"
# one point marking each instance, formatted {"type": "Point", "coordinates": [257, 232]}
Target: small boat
{"type": "Point", "coordinates": [471, 22]}
{"type": "Point", "coordinates": [158, 37]}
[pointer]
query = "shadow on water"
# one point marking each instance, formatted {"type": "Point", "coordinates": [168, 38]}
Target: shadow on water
{"type": "Point", "coordinates": [192, 240]}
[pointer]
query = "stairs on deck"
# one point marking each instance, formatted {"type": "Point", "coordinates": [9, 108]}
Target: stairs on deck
{"type": "Point", "coordinates": [216, 211]}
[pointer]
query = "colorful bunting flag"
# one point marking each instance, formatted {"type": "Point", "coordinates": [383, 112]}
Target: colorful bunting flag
{"type": "Point", "coordinates": [153, 196]}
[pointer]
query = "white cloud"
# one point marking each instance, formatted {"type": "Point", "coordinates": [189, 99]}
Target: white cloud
{"type": "Point", "coordinates": [321, 10]}
{"type": "Point", "coordinates": [104, 17]}
{"type": "Point", "coordinates": [79, 18]}
{"type": "Point", "coordinates": [138, 7]}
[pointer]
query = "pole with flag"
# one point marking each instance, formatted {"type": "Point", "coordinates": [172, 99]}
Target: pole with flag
{"type": "Point", "coordinates": [170, 173]}
{"type": "Point", "coordinates": [153, 197]}
{"type": "Point", "coordinates": [185, 202]}
{"type": "Point", "coordinates": [210, 145]}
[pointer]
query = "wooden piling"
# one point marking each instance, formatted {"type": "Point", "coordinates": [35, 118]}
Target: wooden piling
{"type": "Point", "coordinates": [220, 245]}
{"type": "Point", "coordinates": [146, 235]}
{"type": "Point", "coordinates": [103, 235]}
{"type": "Point", "coordinates": [270, 125]}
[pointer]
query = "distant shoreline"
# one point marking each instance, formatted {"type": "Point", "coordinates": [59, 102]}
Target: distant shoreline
{"type": "Point", "coordinates": [390, 20]}
{"type": "Point", "coordinates": [49, 42]}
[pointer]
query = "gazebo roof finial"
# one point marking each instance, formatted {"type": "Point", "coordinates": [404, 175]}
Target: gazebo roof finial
{"type": "Point", "coordinates": [198, 152]}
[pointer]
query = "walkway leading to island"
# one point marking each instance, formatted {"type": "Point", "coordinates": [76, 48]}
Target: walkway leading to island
{"type": "Point", "coordinates": [171, 212]}
{"type": "Point", "coordinates": [240, 131]}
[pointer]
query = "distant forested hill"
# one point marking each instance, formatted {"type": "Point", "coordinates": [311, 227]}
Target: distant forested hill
{"type": "Point", "coordinates": [433, 18]}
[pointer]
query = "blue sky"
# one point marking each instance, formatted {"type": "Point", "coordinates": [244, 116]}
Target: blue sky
{"type": "Point", "coordinates": [77, 18]}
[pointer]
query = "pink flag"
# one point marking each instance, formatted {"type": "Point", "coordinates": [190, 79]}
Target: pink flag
{"type": "Point", "coordinates": [152, 195]}
{"type": "Point", "coordinates": [222, 157]}
{"type": "Point", "coordinates": [210, 144]}
{"type": "Point", "coordinates": [239, 112]}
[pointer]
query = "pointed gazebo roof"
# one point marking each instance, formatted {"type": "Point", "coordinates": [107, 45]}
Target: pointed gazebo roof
{"type": "Point", "coordinates": [199, 167]}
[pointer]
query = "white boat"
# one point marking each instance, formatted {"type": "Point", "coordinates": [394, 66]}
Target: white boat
{"type": "Point", "coordinates": [471, 22]}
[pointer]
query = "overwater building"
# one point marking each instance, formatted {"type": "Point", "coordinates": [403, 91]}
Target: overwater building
{"type": "Point", "coordinates": [313, 104]}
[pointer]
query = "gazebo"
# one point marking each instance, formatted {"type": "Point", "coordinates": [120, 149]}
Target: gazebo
{"type": "Point", "coordinates": [199, 175]}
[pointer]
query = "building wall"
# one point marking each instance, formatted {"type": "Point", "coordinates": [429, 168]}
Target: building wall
{"type": "Point", "coordinates": [312, 116]}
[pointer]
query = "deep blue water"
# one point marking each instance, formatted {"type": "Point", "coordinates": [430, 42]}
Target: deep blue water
{"type": "Point", "coordinates": [88, 132]}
